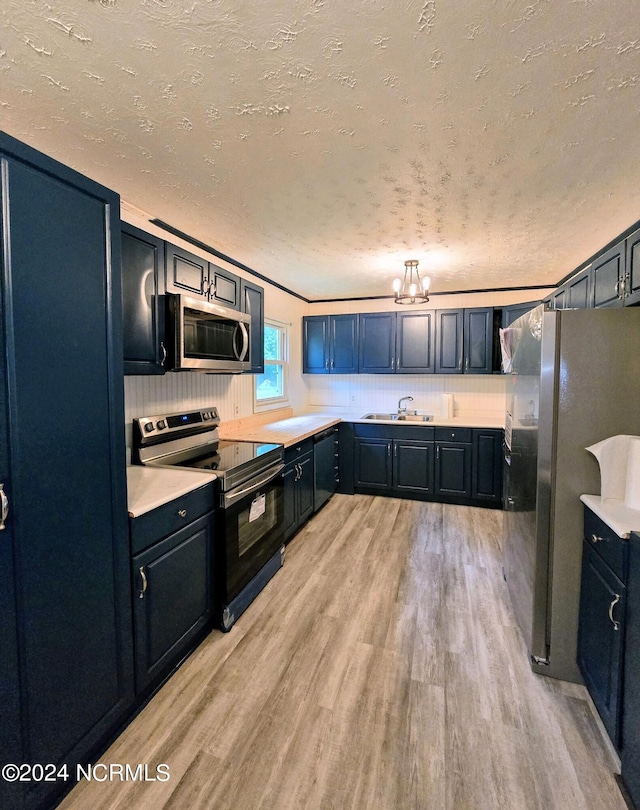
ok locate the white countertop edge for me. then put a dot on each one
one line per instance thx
(357, 415)
(613, 511)
(151, 487)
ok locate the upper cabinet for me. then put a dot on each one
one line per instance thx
(514, 311)
(632, 286)
(608, 277)
(143, 302)
(330, 344)
(192, 275)
(252, 297)
(450, 341)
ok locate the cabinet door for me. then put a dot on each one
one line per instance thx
(373, 467)
(513, 312)
(453, 469)
(143, 317)
(377, 342)
(486, 479)
(415, 342)
(632, 288)
(602, 607)
(305, 487)
(413, 466)
(185, 272)
(630, 720)
(315, 344)
(63, 353)
(478, 340)
(343, 330)
(224, 287)
(607, 273)
(253, 305)
(172, 599)
(449, 348)
(579, 291)
(559, 299)
(290, 510)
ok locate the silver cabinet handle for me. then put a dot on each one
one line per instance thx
(5, 507)
(595, 538)
(615, 624)
(393, 363)
(326, 365)
(182, 513)
(145, 584)
(164, 353)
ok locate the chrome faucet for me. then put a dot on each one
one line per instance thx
(402, 409)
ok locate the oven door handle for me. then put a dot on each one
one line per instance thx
(272, 472)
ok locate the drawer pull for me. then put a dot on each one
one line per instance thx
(182, 513)
(615, 624)
(595, 538)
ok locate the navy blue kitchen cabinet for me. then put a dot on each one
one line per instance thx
(607, 274)
(143, 302)
(253, 305)
(190, 274)
(453, 462)
(449, 341)
(478, 341)
(630, 718)
(393, 460)
(65, 546)
(330, 344)
(632, 288)
(602, 619)
(172, 586)
(415, 342)
(486, 476)
(397, 342)
(377, 349)
(580, 291)
(515, 311)
(298, 486)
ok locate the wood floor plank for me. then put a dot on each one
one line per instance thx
(380, 668)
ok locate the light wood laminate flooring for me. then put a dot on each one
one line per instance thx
(380, 668)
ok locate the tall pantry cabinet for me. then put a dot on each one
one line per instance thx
(65, 613)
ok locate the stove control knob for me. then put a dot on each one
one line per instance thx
(162, 424)
(148, 427)
(206, 415)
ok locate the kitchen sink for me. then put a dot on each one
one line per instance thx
(399, 417)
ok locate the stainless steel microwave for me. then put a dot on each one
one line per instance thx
(207, 337)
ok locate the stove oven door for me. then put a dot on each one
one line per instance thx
(250, 531)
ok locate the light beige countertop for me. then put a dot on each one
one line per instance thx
(150, 487)
(618, 517)
(294, 429)
(284, 431)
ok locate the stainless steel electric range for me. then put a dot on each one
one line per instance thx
(248, 541)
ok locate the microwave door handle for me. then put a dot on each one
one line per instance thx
(234, 495)
(245, 342)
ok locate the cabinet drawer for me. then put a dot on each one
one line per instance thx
(611, 548)
(445, 434)
(168, 518)
(297, 449)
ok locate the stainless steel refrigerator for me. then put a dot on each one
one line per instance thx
(574, 380)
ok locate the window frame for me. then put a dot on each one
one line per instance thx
(279, 401)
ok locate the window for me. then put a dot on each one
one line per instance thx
(271, 386)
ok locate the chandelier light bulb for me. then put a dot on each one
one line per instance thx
(397, 285)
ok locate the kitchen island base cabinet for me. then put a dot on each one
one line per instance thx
(66, 643)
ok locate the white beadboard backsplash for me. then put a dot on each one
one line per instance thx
(473, 395)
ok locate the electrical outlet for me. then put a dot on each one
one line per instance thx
(236, 410)
(353, 399)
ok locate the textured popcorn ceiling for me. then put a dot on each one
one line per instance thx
(323, 142)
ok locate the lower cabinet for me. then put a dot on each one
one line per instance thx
(172, 584)
(602, 620)
(458, 465)
(298, 486)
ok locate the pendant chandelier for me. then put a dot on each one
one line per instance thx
(412, 289)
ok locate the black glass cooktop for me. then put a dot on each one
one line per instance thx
(228, 455)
